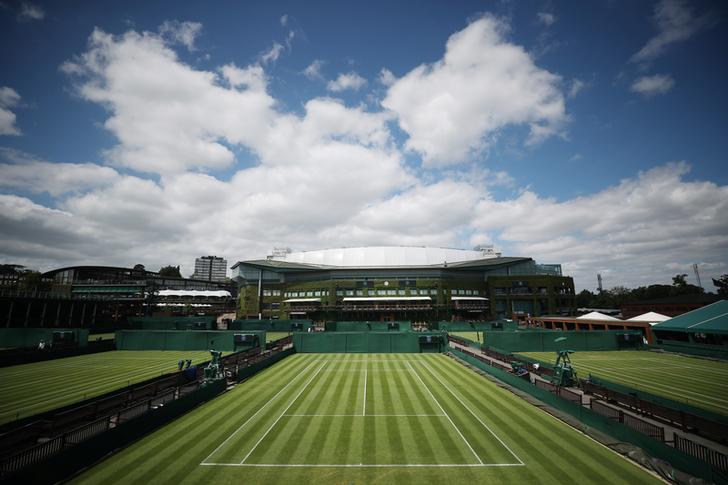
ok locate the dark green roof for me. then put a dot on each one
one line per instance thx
(708, 319)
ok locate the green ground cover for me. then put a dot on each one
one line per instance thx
(366, 418)
(271, 336)
(34, 388)
(474, 336)
(699, 382)
(102, 336)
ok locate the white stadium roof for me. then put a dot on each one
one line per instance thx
(379, 256)
(650, 317)
(597, 316)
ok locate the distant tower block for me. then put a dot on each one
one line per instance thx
(599, 283)
(210, 268)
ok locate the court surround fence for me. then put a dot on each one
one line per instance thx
(183, 340)
(369, 342)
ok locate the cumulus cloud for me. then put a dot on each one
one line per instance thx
(284, 20)
(455, 107)
(675, 22)
(21, 171)
(546, 18)
(9, 98)
(272, 54)
(575, 87)
(652, 85)
(349, 80)
(634, 228)
(184, 33)
(313, 70)
(29, 11)
(386, 78)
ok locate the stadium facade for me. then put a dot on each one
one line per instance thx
(400, 283)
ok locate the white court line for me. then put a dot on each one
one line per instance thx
(362, 415)
(365, 465)
(364, 407)
(445, 413)
(471, 412)
(256, 413)
(284, 412)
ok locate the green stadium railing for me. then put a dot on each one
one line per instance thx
(589, 418)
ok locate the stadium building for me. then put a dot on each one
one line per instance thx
(388, 283)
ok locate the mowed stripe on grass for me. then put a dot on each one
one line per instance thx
(34, 388)
(699, 382)
(396, 418)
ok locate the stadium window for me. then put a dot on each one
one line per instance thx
(339, 292)
(349, 292)
(391, 292)
(382, 292)
(359, 292)
(468, 292)
(401, 292)
(453, 292)
(316, 293)
(433, 292)
(309, 293)
(266, 293)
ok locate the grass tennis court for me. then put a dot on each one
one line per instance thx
(367, 418)
(33, 388)
(474, 336)
(272, 336)
(699, 382)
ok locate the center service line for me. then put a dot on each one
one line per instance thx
(364, 407)
(444, 412)
(284, 412)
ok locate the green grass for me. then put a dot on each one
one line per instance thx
(366, 418)
(699, 382)
(34, 388)
(474, 336)
(271, 336)
(102, 336)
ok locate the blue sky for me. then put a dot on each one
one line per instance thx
(589, 134)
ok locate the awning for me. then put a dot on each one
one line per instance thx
(194, 293)
(297, 313)
(468, 298)
(302, 300)
(388, 298)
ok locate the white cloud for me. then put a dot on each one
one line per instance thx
(633, 228)
(386, 78)
(184, 33)
(284, 20)
(575, 87)
(29, 11)
(349, 80)
(652, 85)
(167, 116)
(9, 98)
(313, 70)
(675, 23)
(457, 106)
(272, 54)
(21, 171)
(546, 18)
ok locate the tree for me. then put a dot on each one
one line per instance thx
(722, 285)
(170, 272)
(679, 280)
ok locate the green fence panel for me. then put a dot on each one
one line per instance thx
(656, 449)
(251, 370)
(269, 325)
(184, 339)
(370, 342)
(23, 338)
(545, 340)
(714, 351)
(173, 323)
(367, 326)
